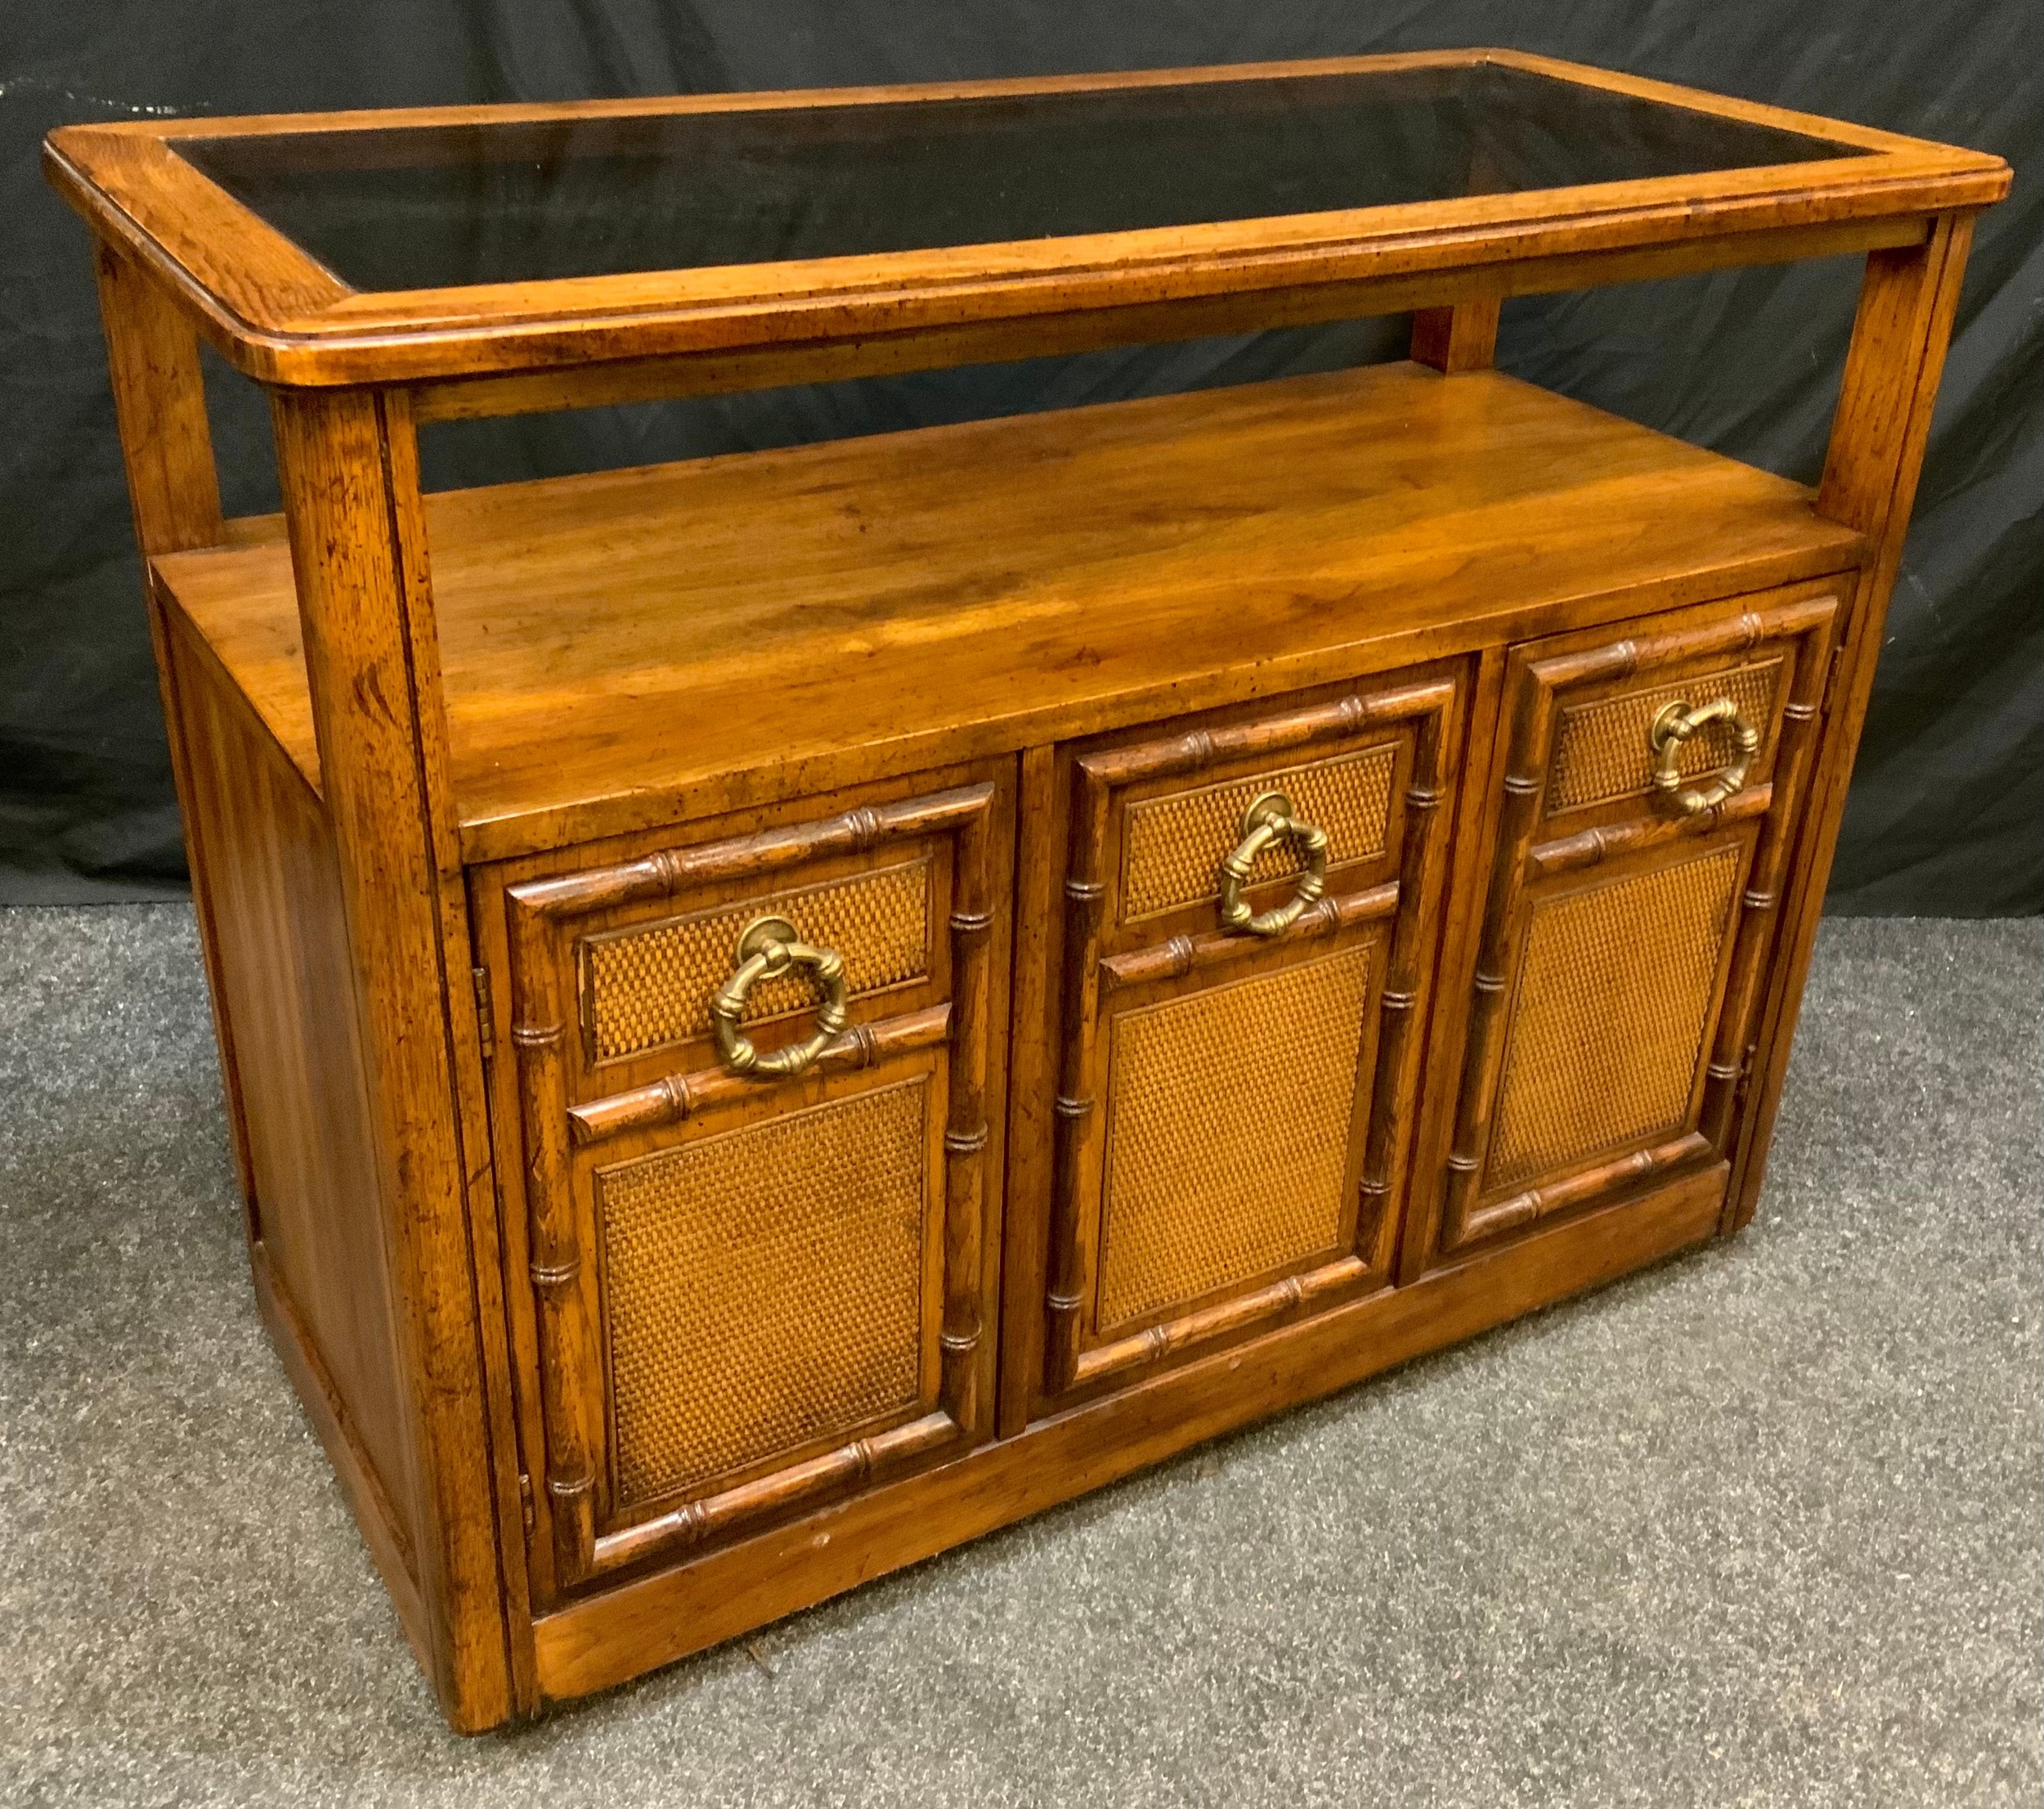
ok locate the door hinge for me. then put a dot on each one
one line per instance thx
(485, 1013)
(525, 1499)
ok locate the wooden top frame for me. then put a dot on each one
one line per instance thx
(284, 318)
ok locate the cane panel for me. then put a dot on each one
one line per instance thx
(1228, 1132)
(764, 1288)
(651, 984)
(1601, 750)
(1610, 1016)
(1172, 846)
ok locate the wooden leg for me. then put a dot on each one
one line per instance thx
(1907, 302)
(347, 459)
(1461, 338)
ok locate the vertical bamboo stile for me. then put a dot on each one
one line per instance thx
(967, 1131)
(1398, 1004)
(1524, 783)
(563, 1283)
(1757, 912)
(1076, 1107)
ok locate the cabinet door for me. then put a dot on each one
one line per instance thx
(1649, 788)
(759, 1254)
(1230, 1102)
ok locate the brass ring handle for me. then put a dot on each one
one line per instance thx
(768, 947)
(1673, 726)
(1269, 819)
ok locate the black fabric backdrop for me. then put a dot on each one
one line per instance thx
(1948, 806)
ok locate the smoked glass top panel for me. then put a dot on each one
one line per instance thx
(430, 207)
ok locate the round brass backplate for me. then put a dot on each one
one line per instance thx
(755, 938)
(1263, 807)
(1664, 723)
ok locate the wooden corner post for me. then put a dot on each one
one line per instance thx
(347, 461)
(1463, 337)
(1907, 300)
(173, 488)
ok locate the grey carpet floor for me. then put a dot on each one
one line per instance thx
(1760, 1526)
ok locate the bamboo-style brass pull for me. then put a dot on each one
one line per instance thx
(1269, 819)
(768, 947)
(1673, 726)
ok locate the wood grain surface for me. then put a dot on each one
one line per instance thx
(623, 649)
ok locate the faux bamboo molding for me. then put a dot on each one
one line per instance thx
(563, 1285)
(1424, 868)
(1607, 842)
(1281, 1300)
(674, 1096)
(967, 1130)
(1075, 1113)
(1520, 1210)
(1185, 955)
(717, 1516)
(1734, 1050)
(669, 871)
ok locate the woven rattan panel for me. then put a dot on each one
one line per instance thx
(1172, 846)
(1601, 750)
(1227, 1133)
(651, 984)
(764, 1288)
(1609, 1017)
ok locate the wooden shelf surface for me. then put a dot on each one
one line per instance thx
(622, 647)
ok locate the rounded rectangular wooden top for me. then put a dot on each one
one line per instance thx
(431, 244)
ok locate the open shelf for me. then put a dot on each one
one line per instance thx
(622, 647)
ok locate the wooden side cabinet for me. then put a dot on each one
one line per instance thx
(781, 1012)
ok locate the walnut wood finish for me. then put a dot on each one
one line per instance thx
(317, 1242)
(1475, 292)
(675, 1097)
(460, 772)
(160, 407)
(612, 661)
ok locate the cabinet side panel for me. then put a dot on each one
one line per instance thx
(283, 978)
